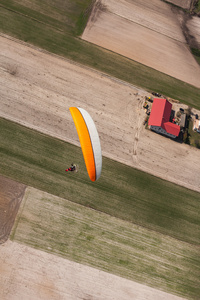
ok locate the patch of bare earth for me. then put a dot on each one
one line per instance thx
(145, 31)
(11, 194)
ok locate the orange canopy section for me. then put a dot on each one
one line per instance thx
(89, 140)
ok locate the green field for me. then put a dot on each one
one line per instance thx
(123, 192)
(56, 28)
(68, 16)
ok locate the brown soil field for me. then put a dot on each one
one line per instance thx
(147, 32)
(27, 273)
(11, 194)
(37, 89)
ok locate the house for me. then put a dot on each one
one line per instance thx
(196, 126)
(160, 116)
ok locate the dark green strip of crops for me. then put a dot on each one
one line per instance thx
(60, 39)
(69, 15)
(124, 192)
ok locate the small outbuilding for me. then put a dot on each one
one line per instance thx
(160, 116)
(196, 126)
(183, 121)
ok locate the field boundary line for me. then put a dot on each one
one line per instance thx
(19, 214)
(154, 30)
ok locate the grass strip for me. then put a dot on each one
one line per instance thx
(126, 193)
(88, 237)
(67, 45)
(70, 16)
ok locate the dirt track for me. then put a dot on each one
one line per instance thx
(38, 88)
(147, 32)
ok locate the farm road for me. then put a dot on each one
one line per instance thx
(37, 89)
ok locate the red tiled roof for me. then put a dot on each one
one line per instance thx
(172, 128)
(160, 114)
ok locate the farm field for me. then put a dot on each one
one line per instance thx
(46, 275)
(123, 192)
(96, 239)
(42, 89)
(140, 227)
(59, 278)
(69, 16)
(39, 29)
(147, 33)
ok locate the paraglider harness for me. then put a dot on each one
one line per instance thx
(72, 168)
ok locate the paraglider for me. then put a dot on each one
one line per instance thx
(72, 168)
(89, 140)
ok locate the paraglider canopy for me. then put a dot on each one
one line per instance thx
(89, 140)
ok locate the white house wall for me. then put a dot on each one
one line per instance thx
(160, 130)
